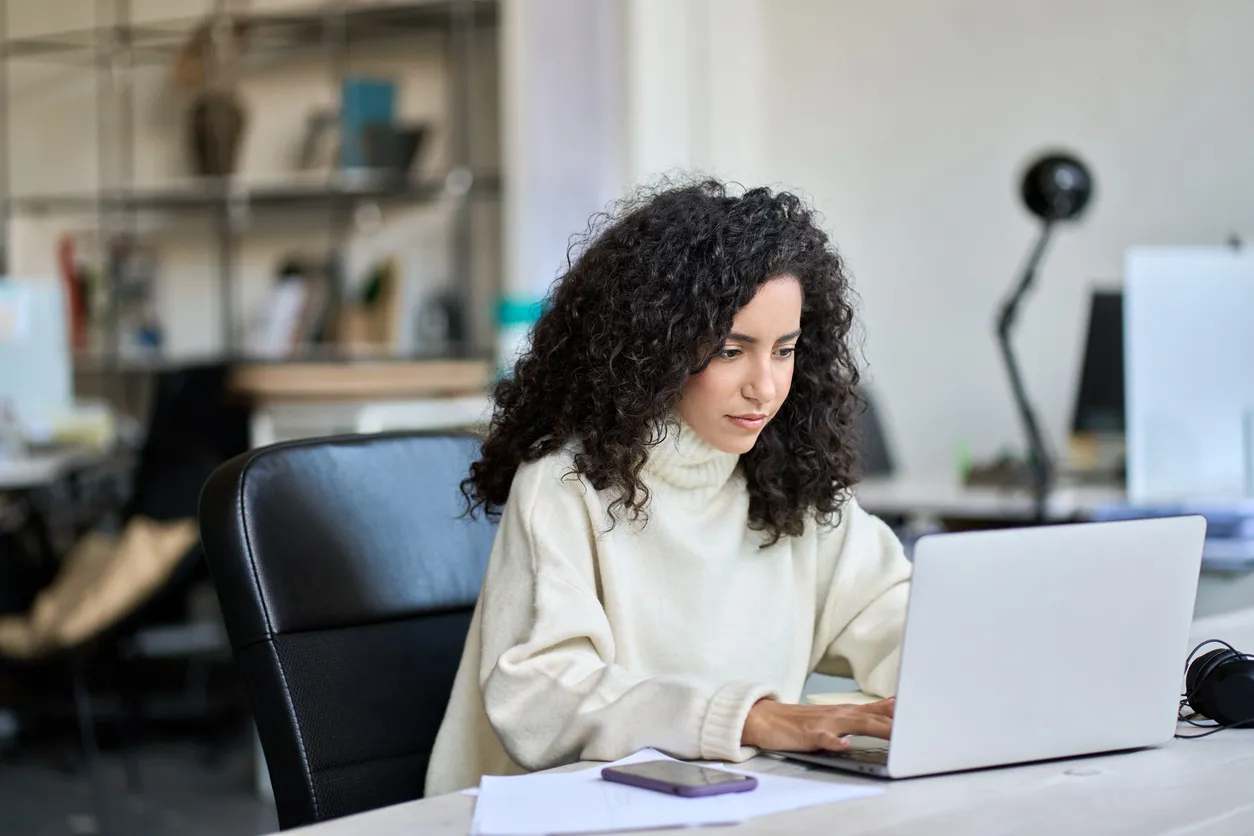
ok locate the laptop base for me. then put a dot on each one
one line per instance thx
(862, 761)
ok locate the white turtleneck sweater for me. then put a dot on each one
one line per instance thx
(590, 645)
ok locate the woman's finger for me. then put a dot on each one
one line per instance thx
(866, 723)
(882, 707)
(829, 740)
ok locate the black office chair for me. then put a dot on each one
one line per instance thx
(347, 578)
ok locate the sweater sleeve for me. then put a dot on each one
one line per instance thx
(552, 688)
(862, 614)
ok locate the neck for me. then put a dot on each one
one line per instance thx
(684, 460)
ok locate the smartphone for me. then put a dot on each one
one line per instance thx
(678, 778)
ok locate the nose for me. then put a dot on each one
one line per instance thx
(760, 384)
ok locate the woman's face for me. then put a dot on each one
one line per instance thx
(738, 393)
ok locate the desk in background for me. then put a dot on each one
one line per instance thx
(1187, 786)
(300, 400)
(40, 469)
(929, 504)
(920, 499)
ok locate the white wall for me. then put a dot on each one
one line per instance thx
(561, 64)
(695, 79)
(908, 121)
(54, 139)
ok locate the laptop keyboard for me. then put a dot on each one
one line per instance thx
(877, 755)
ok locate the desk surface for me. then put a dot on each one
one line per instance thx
(363, 380)
(39, 469)
(916, 498)
(1189, 786)
(940, 497)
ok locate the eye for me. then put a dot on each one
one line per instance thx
(729, 353)
(787, 351)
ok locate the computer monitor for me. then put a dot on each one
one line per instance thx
(1099, 405)
(877, 459)
(35, 373)
(1189, 339)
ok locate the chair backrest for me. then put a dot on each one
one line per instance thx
(194, 425)
(347, 578)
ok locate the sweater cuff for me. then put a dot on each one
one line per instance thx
(725, 721)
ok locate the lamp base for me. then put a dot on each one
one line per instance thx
(1004, 473)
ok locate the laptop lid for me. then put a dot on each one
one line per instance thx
(1036, 643)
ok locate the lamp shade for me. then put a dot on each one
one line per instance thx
(1057, 187)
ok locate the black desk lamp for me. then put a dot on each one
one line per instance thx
(1055, 188)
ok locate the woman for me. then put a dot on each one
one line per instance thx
(678, 549)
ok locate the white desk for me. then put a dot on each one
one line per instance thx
(1187, 787)
(939, 497)
(1225, 585)
(304, 399)
(39, 469)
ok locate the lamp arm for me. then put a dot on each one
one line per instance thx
(1039, 467)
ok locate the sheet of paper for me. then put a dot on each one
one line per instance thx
(583, 802)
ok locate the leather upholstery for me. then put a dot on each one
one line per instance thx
(347, 577)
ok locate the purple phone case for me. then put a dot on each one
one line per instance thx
(609, 773)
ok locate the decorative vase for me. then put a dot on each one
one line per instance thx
(216, 127)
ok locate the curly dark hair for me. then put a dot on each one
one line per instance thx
(648, 300)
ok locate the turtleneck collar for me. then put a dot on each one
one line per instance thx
(685, 460)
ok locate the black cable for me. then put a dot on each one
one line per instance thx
(1181, 718)
(1215, 729)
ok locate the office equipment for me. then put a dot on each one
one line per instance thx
(1099, 404)
(34, 354)
(1190, 383)
(689, 780)
(347, 577)
(1219, 685)
(583, 802)
(1056, 187)
(877, 458)
(1020, 646)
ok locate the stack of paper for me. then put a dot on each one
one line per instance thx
(583, 802)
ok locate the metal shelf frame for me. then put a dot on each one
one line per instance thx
(116, 45)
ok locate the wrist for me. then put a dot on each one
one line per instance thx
(755, 722)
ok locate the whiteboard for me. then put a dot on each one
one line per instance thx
(1189, 373)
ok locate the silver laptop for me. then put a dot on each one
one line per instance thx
(1032, 644)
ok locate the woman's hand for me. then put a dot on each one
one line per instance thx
(810, 728)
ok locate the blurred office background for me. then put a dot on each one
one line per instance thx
(232, 223)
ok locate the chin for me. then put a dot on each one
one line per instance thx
(737, 444)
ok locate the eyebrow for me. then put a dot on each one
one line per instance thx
(745, 338)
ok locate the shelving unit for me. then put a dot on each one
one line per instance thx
(331, 33)
(313, 193)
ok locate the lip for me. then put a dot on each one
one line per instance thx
(750, 421)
